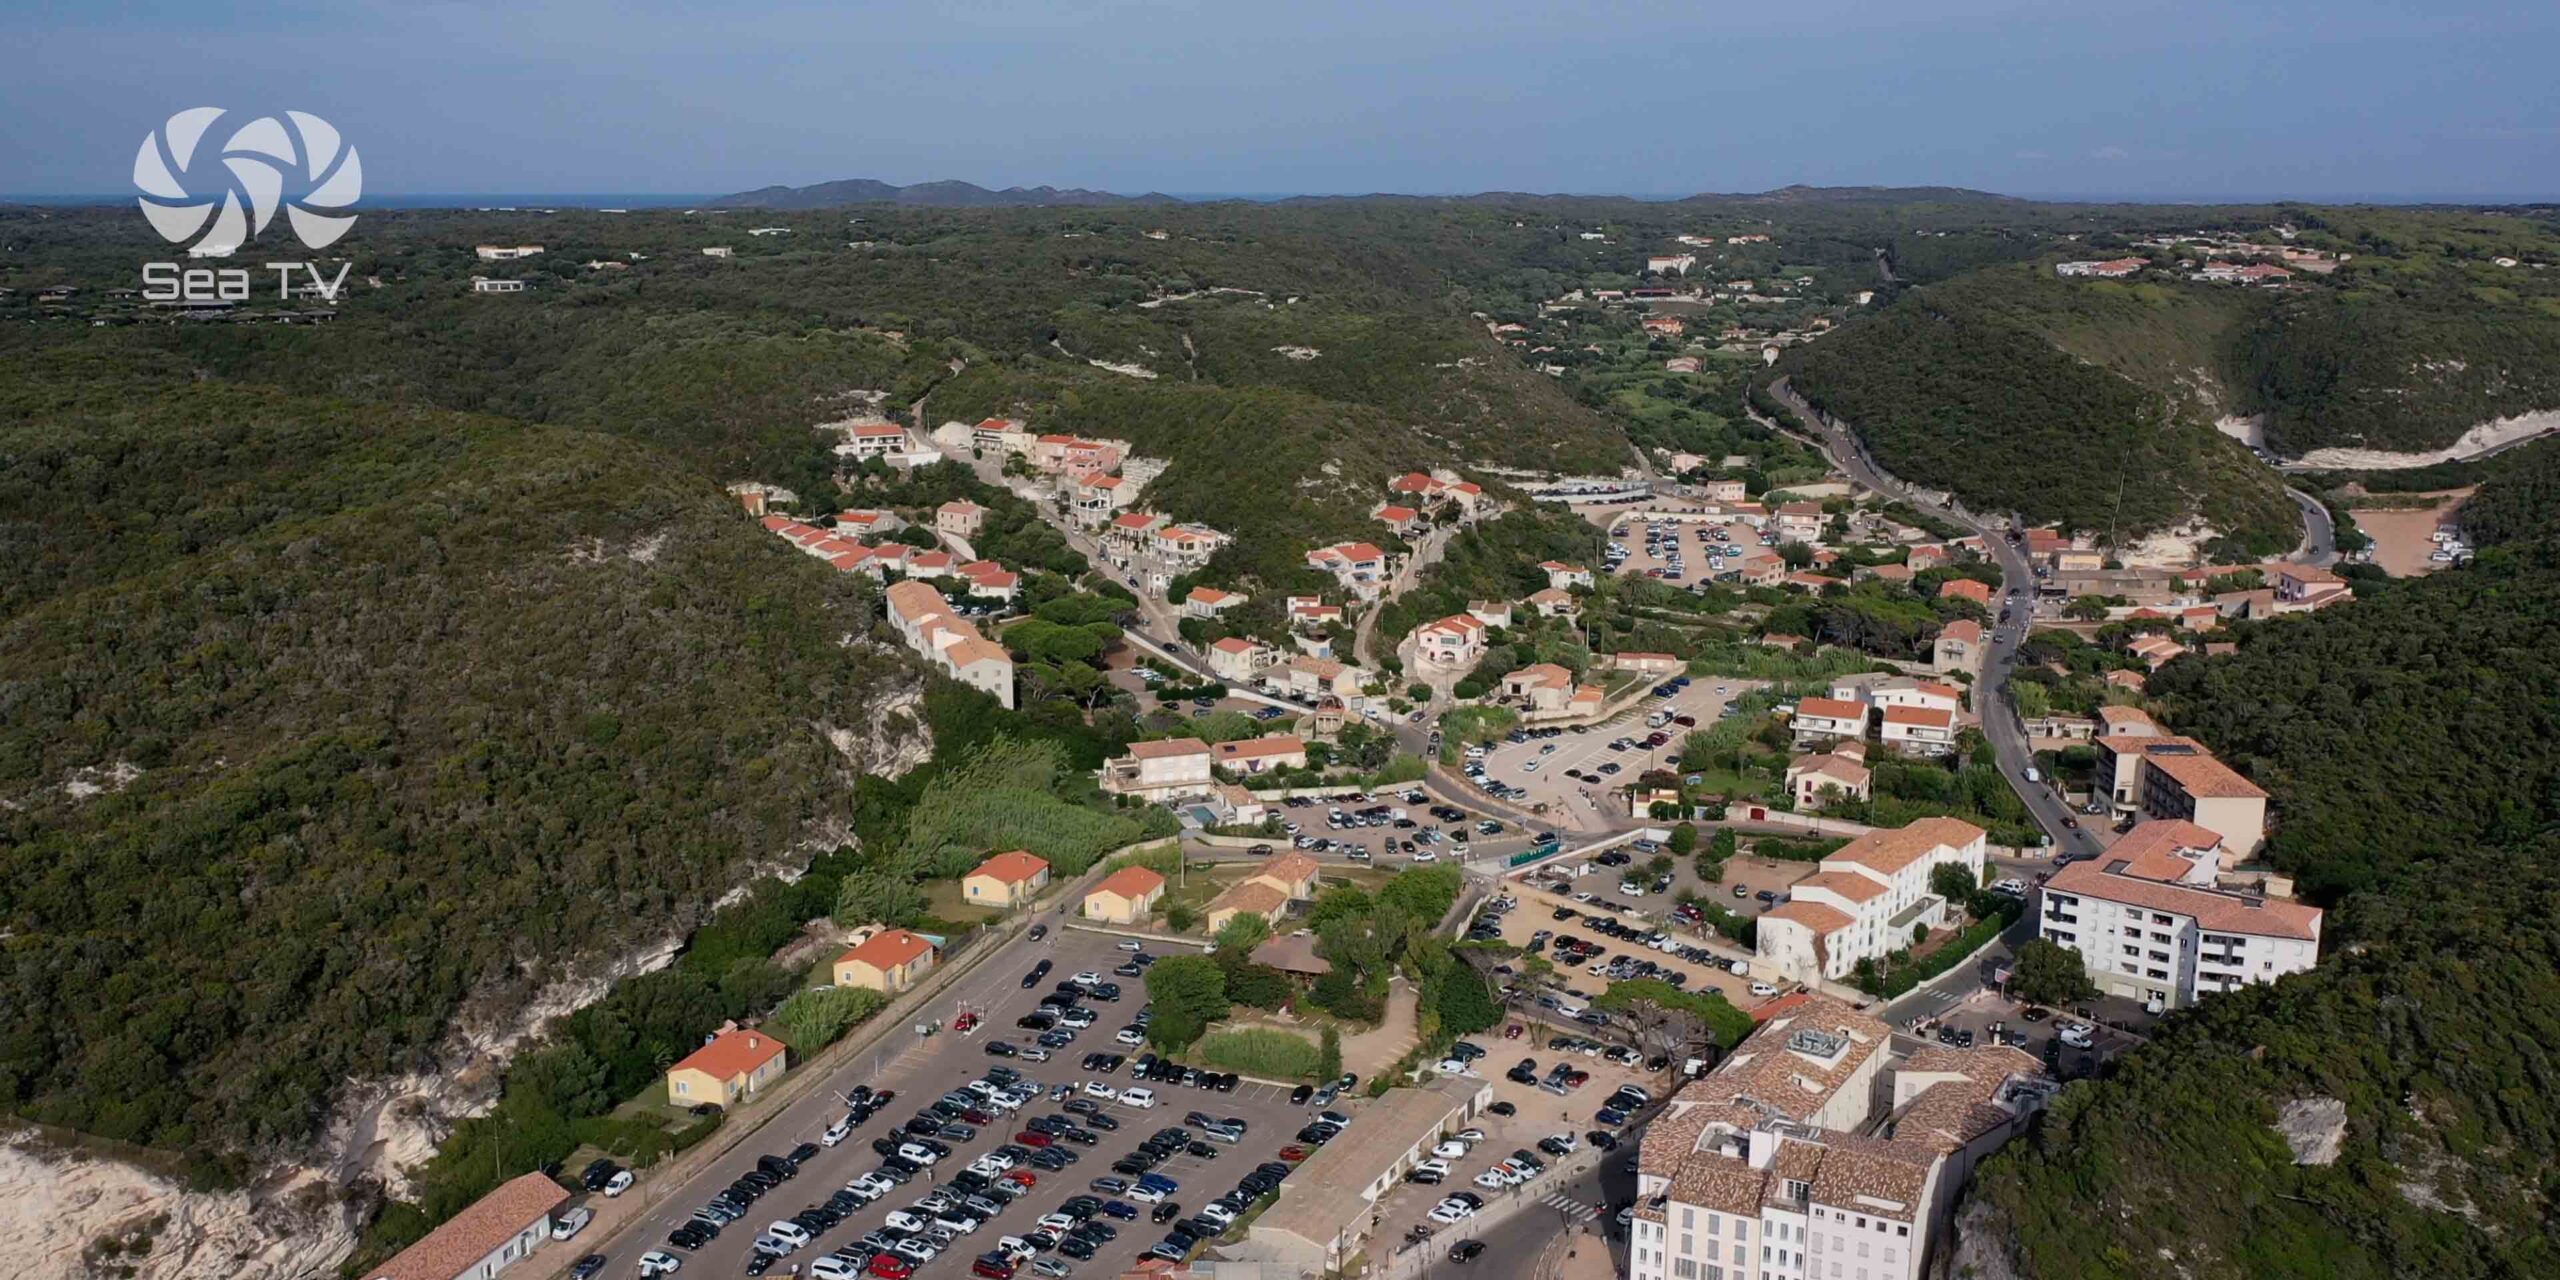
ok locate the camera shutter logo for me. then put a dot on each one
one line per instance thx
(258, 158)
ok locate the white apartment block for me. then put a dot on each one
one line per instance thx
(1826, 719)
(1764, 1169)
(2151, 921)
(1866, 900)
(925, 621)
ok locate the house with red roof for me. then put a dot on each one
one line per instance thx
(728, 1069)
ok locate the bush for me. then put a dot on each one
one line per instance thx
(814, 1019)
(1262, 1051)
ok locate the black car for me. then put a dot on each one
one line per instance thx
(1103, 1121)
(1039, 931)
(598, 1173)
(1038, 971)
(778, 1166)
(690, 1236)
(1465, 1250)
(587, 1266)
(1077, 1247)
(1001, 1049)
(1202, 1150)
(1165, 1212)
(1298, 1096)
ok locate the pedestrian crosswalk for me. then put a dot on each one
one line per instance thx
(1577, 1210)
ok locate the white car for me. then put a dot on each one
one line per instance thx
(1450, 1067)
(658, 1262)
(1097, 1089)
(1425, 855)
(837, 1132)
(1145, 1195)
(914, 1154)
(1017, 1248)
(617, 1184)
(1089, 978)
(916, 1249)
(1492, 1179)
(831, 1267)
(1469, 1134)
(1763, 989)
(1440, 1167)
(2077, 1037)
(1056, 1224)
(1448, 1213)
(790, 1233)
(572, 1222)
(1132, 945)
(904, 1220)
(1131, 1036)
(873, 1186)
(1740, 968)
(1218, 1214)
(1567, 1141)
(1449, 1151)
(1140, 1097)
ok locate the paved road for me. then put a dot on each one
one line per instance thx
(1999, 725)
(2319, 532)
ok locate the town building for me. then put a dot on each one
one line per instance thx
(505, 253)
(1958, 646)
(1267, 754)
(1492, 613)
(864, 441)
(2152, 923)
(1540, 686)
(960, 518)
(2126, 722)
(729, 1068)
(1401, 521)
(1565, 577)
(1823, 719)
(1456, 641)
(1360, 567)
(1124, 897)
(1159, 770)
(2302, 587)
(498, 1231)
(924, 620)
(1817, 781)
(1797, 522)
(2167, 776)
(1552, 602)
(1328, 1207)
(1006, 880)
(889, 961)
(487, 284)
(1290, 878)
(1209, 602)
(1866, 900)
(1648, 664)
(2111, 269)
(1312, 679)
(1917, 731)
(1311, 612)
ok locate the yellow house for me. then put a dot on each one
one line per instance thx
(731, 1067)
(1006, 880)
(1258, 897)
(889, 961)
(1124, 897)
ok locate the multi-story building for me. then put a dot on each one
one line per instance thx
(1237, 660)
(1162, 769)
(1360, 567)
(1958, 646)
(1797, 522)
(1917, 731)
(2167, 776)
(2151, 921)
(924, 620)
(1825, 719)
(1456, 641)
(1565, 577)
(1261, 755)
(1842, 773)
(1867, 900)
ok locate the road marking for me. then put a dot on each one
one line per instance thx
(1579, 1211)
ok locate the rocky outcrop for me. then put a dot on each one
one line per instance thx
(2315, 1128)
(1981, 1249)
(67, 1214)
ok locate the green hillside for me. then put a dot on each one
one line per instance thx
(318, 717)
(1951, 396)
(2432, 1014)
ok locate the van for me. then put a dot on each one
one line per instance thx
(1657, 719)
(572, 1222)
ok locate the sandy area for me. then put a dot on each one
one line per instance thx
(2400, 536)
(2486, 438)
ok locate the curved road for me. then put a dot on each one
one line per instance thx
(2000, 724)
(2319, 532)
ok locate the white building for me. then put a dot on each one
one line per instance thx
(505, 252)
(1866, 900)
(1824, 719)
(1456, 641)
(484, 284)
(924, 620)
(2151, 923)
(1160, 770)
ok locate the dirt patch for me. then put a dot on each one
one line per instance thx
(2401, 535)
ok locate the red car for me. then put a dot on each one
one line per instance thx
(991, 1269)
(1293, 1154)
(975, 1116)
(1511, 1032)
(889, 1266)
(1033, 1138)
(1022, 1178)
(964, 1022)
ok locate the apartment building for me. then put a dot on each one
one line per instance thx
(1916, 731)
(1958, 647)
(1866, 899)
(2153, 922)
(1826, 719)
(1160, 770)
(2167, 776)
(1360, 567)
(924, 620)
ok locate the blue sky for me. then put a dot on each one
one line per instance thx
(2159, 100)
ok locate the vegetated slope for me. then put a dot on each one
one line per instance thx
(1980, 405)
(2408, 741)
(2404, 365)
(319, 720)
(2176, 338)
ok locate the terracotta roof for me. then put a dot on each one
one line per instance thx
(1134, 520)
(2204, 777)
(2112, 716)
(1929, 717)
(1209, 595)
(1824, 921)
(1396, 515)
(461, 1241)
(1166, 748)
(1551, 595)
(1014, 867)
(1458, 622)
(1132, 883)
(732, 1054)
(2214, 911)
(1542, 674)
(959, 507)
(890, 948)
(971, 650)
(1831, 708)
(1964, 629)
(2150, 850)
(1278, 744)
(1257, 896)
(1231, 644)
(1292, 867)
(1855, 888)
(1965, 589)
(1891, 851)
(1830, 766)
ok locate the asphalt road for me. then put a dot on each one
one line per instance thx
(922, 1070)
(2319, 532)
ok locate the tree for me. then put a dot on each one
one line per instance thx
(1188, 993)
(2046, 972)
(1243, 932)
(1329, 1055)
(1725, 844)
(1180, 916)
(1668, 1020)
(1953, 882)
(1684, 839)
(1465, 1004)
(883, 896)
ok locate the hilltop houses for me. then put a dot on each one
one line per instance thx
(1456, 641)
(1866, 900)
(1360, 567)
(924, 620)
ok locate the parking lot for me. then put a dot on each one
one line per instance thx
(1680, 552)
(2112, 1026)
(920, 1070)
(1377, 829)
(1562, 916)
(1574, 770)
(1536, 1114)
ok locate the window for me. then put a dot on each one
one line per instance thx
(1688, 1218)
(1688, 1243)
(683, 1087)
(1742, 1228)
(1901, 1230)
(1715, 1224)
(1685, 1269)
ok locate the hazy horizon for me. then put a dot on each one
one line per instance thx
(2176, 101)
